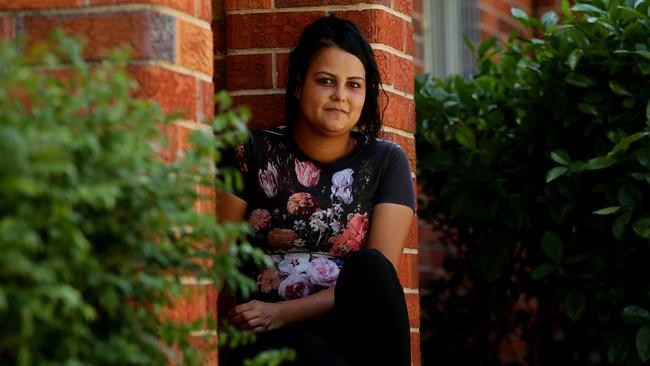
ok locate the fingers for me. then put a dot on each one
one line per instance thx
(240, 309)
(250, 316)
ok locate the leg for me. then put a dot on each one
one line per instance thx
(371, 310)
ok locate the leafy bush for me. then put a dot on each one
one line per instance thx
(541, 162)
(96, 228)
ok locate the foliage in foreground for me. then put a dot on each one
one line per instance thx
(97, 216)
(541, 162)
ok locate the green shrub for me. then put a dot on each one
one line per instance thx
(95, 227)
(541, 161)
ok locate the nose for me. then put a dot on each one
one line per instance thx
(339, 93)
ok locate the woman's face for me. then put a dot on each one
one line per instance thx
(333, 93)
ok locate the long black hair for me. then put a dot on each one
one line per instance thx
(329, 31)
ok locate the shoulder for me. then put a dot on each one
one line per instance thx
(386, 149)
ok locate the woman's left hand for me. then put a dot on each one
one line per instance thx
(257, 316)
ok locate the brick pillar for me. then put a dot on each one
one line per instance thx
(258, 37)
(172, 60)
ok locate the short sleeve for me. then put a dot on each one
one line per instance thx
(396, 184)
(240, 158)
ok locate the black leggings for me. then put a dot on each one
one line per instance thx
(368, 326)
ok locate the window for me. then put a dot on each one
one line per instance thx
(443, 25)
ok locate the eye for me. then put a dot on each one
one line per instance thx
(325, 81)
(354, 84)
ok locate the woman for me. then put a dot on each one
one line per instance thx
(331, 207)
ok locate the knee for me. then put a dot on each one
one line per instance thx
(367, 277)
(370, 264)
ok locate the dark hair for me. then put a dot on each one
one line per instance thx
(329, 31)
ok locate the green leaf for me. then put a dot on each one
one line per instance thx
(618, 88)
(645, 54)
(600, 163)
(574, 304)
(561, 156)
(550, 19)
(468, 43)
(555, 173)
(587, 108)
(629, 195)
(543, 270)
(643, 156)
(642, 227)
(607, 210)
(624, 144)
(552, 246)
(465, 136)
(634, 314)
(574, 58)
(643, 343)
(618, 346)
(490, 264)
(586, 8)
(631, 13)
(486, 45)
(566, 9)
(578, 80)
(629, 102)
(520, 15)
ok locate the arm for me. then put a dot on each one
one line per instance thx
(259, 316)
(230, 208)
(388, 230)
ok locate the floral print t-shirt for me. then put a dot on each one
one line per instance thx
(308, 216)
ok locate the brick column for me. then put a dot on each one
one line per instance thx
(258, 37)
(172, 60)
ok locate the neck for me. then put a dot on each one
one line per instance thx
(321, 147)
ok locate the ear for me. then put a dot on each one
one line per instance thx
(298, 91)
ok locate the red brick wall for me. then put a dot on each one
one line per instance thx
(172, 60)
(252, 42)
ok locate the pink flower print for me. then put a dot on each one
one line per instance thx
(281, 238)
(300, 203)
(307, 173)
(294, 287)
(268, 280)
(342, 185)
(352, 238)
(323, 272)
(294, 263)
(260, 219)
(240, 153)
(268, 180)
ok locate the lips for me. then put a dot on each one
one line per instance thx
(336, 110)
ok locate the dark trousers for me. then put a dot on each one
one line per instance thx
(368, 326)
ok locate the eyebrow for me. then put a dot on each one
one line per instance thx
(334, 76)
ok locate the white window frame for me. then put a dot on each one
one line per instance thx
(443, 24)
